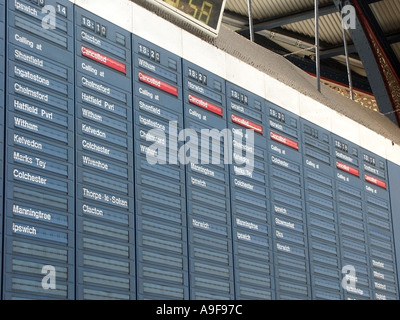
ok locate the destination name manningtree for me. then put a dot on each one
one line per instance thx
(37, 214)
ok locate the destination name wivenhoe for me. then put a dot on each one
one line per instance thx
(94, 163)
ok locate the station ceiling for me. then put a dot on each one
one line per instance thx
(287, 27)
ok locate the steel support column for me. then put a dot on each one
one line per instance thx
(372, 67)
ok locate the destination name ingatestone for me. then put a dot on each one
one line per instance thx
(25, 74)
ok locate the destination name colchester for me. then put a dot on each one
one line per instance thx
(29, 177)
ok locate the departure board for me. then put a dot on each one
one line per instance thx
(377, 206)
(207, 184)
(134, 170)
(161, 223)
(2, 100)
(39, 165)
(105, 236)
(322, 216)
(288, 213)
(251, 221)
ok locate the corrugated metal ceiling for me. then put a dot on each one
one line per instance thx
(330, 28)
(288, 26)
(387, 13)
(263, 10)
(270, 9)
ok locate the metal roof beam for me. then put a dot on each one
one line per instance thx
(294, 39)
(380, 35)
(337, 51)
(372, 68)
(393, 37)
(291, 18)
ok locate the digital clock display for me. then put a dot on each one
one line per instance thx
(205, 13)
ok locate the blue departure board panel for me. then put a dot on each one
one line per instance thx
(378, 218)
(129, 172)
(2, 100)
(393, 172)
(250, 206)
(352, 218)
(322, 221)
(207, 181)
(39, 169)
(105, 247)
(162, 263)
(289, 226)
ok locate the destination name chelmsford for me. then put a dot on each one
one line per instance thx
(96, 86)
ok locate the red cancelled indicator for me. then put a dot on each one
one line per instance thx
(375, 181)
(286, 141)
(347, 168)
(248, 124)
(158, 84)
(205, 105)
(98, 57)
